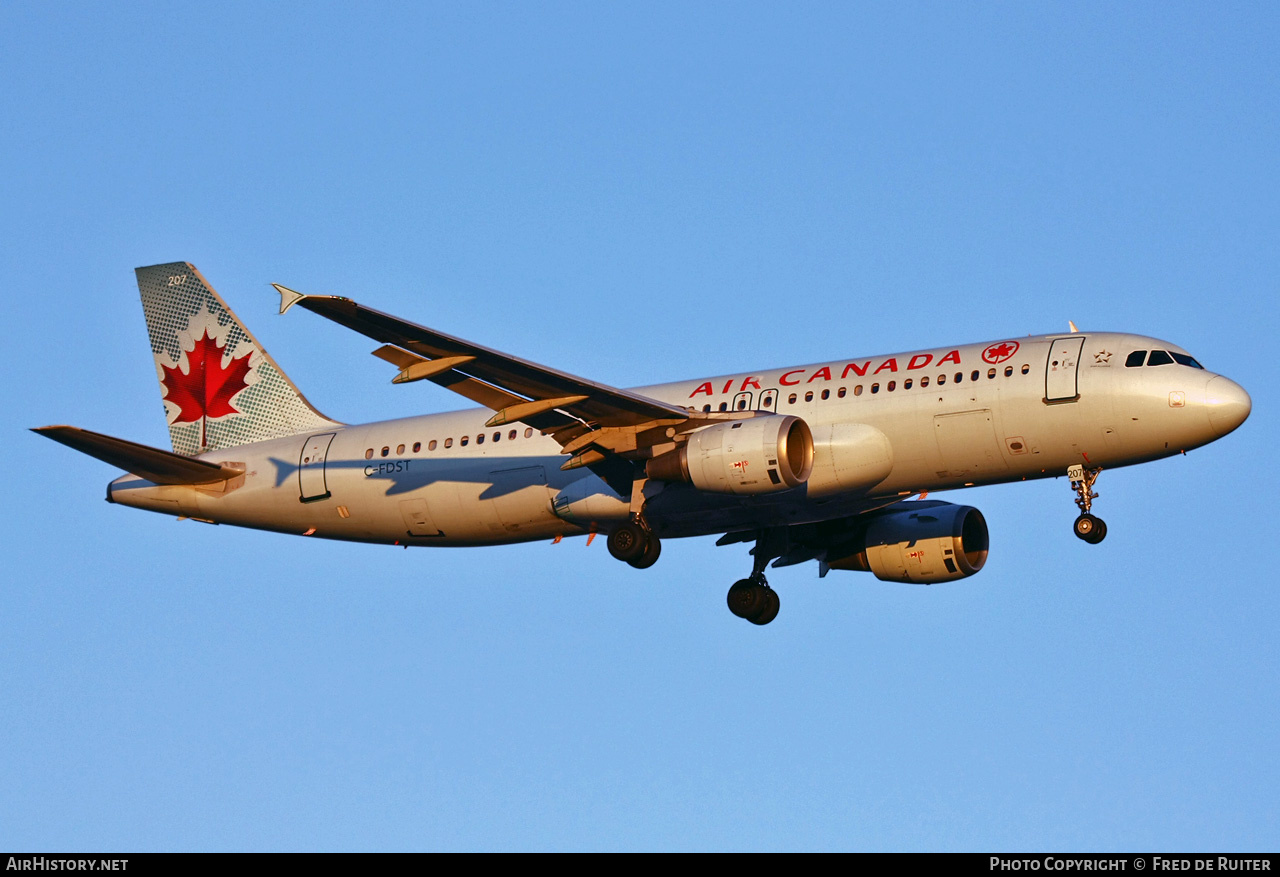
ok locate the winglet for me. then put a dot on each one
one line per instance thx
(1070, 323)
(288, 297)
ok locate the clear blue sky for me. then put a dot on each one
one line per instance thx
(637, 193)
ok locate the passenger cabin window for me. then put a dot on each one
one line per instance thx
(368, 455)
(497, 436)
(1008, 371)
(857, 391)
(1183, 359)
(399, 450)
(959, 377)
(386, 451)
(706, 409)
(808, 397)
(1025, 368)
(417, 446)
(528, 431)
(462, 442)
(724, 406)
(842, 391)
(1159, 357)
(906, 385)
(431, 445)
(791, 399)
(893, 385)
(875, 388)
(448, 443)
(511, 436)
(1135, 359)
(991, 373)
(924, 382)
(826, 394)
(480, 439)
(942, 379)
(974, 375)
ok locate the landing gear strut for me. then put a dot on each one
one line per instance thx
(752, 598)
(633, 541)
(1088, 527)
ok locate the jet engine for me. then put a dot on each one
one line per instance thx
(763, 454)
(926, 543)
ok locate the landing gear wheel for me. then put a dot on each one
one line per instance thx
(1100, 532)
(746, 598)
(771, 606)
(652, 548)
(754, 600)
(628, 541)
(1091, 529)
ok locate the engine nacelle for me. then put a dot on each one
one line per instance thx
(926, 543)
(848, 458)
(743, 457)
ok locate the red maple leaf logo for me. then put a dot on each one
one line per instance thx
(1000, 352)
(206, 390)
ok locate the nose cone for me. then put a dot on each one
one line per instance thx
(1228, 405)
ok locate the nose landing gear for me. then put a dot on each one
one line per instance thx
(1088, 527)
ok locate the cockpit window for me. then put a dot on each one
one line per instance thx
(1183, 359)
(1135, 359)
(1159, 357)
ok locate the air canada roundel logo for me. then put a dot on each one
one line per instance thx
(1000, 352)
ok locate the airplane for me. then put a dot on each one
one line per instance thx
(829, 462)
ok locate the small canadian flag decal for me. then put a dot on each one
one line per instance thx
(740, 467)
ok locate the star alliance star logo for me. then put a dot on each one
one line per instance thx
(1102, 357)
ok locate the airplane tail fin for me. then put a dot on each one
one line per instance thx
(220, 387)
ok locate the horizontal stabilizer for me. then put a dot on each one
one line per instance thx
(153, 464)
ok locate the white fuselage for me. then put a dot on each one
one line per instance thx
(951, 419)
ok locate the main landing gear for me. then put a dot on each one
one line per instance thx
(1088, 527)
(752, 598)
(634, 543)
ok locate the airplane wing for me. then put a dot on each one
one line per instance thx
(821, 541)
(590, 420)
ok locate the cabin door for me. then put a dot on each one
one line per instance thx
(312, 485)
(1062, 370)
